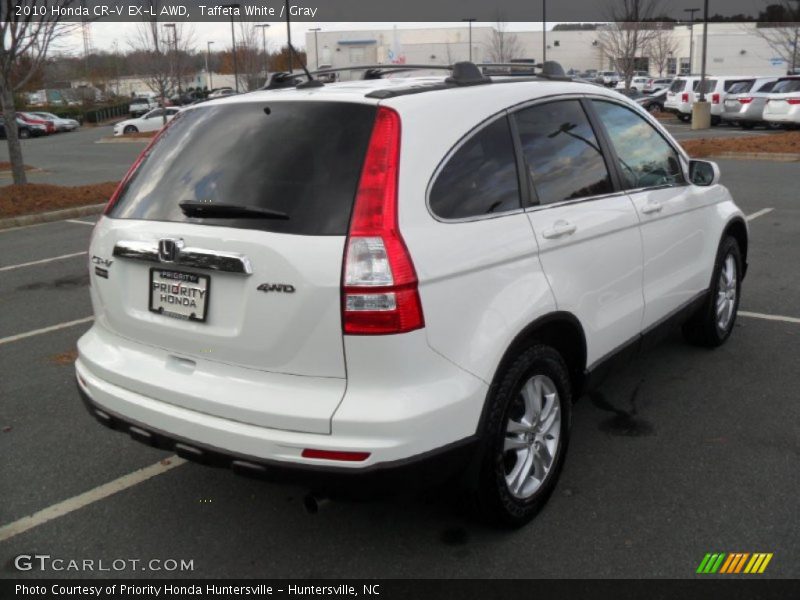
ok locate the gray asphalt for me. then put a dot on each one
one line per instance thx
(75, 158)
(686, 451)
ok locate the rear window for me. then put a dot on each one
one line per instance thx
(677, 85)
(767, 87)
(786, 86)
(300, 158)
(740, 87)
(708, 87)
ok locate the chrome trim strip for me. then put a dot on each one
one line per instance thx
(200, 258)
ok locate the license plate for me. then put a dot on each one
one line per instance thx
(179, 295)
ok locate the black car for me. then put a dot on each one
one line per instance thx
(653, 102)
(24, 131)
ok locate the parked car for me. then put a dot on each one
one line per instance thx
(637, 83)
(717, 90)
(30, 119)
(220, 92)
(152, 121)
(681, 95)
(25, 130)
(287, 286)
(60, 123)
(142, 105)
(653, 102)
(744, 104)
(609, 78)
(783, 105)
(654, 85)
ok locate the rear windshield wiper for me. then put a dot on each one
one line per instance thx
(194, 208)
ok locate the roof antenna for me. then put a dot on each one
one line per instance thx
(311, 83)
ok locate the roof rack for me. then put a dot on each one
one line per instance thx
(463, 73)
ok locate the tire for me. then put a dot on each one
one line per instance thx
(714, 321)
(130, 129)
(24, 134)
(684, 118)
(535, 383)
(715, 121)
(747, 124)
(653, 108)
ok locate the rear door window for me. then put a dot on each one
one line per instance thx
(480, 178)
(303, 159)
(561, 152)
(786, 86)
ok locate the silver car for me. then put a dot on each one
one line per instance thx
(745, 102)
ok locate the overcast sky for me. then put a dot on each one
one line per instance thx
(105, 34)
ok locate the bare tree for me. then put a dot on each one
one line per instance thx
(25, 40)
(249, 57)
(662, 47)
(503, 46)
(159, 54)
(630, 31)
(783, 36)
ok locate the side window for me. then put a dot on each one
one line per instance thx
(480, 178)
(561, 152)
(645, 158)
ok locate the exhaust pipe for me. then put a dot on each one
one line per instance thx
(313, 501)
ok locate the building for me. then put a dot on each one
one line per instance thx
(733, 48)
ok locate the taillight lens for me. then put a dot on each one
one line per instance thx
(379, 283)
(793, 101)
(745, 100)
(139, 159)
(714, 98)
(685, 97)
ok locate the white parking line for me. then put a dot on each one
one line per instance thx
(760, 213)
(753, 315)
(80, 222)
(27, 334)
(41, 262)
(98, 493)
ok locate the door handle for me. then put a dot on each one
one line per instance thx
(560, 228)
(652, 207)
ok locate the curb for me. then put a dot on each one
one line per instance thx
(776, 156)
(48, 217)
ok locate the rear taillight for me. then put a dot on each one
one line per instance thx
(714, 98)
(745, 100)
(685, 97)
(139, 159)
(379, 283)
(793, 101)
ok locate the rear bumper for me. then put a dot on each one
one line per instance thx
(424, 470)
(782, 118)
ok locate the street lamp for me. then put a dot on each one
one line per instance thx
(172, 66)
(209, 77)
(544, 31)
(796, 31)
(705, 49)
(316, 45)
(233, 47)
(691, 12)
(470, 21)
(289, 33)
(264, 27)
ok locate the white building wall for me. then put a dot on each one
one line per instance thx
(733, 48)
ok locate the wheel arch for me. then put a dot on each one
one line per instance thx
(737, 229)
(562, 331)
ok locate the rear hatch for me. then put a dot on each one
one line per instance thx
(785, 96)
(226, 243)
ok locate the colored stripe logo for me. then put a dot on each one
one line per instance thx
(734, 563)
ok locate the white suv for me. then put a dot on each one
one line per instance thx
(372, 278)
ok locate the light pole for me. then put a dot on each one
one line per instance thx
(264, 27)
(209, 77)
(705, 48)
(470, 21)
(316, 45)
(289, 34)
(691, 12)
(172, 65)
(544, 31)
(233, 47)
(796, 19)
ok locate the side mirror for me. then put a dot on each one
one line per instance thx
(703, 172)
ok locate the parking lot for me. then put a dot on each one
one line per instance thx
(685, 452)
